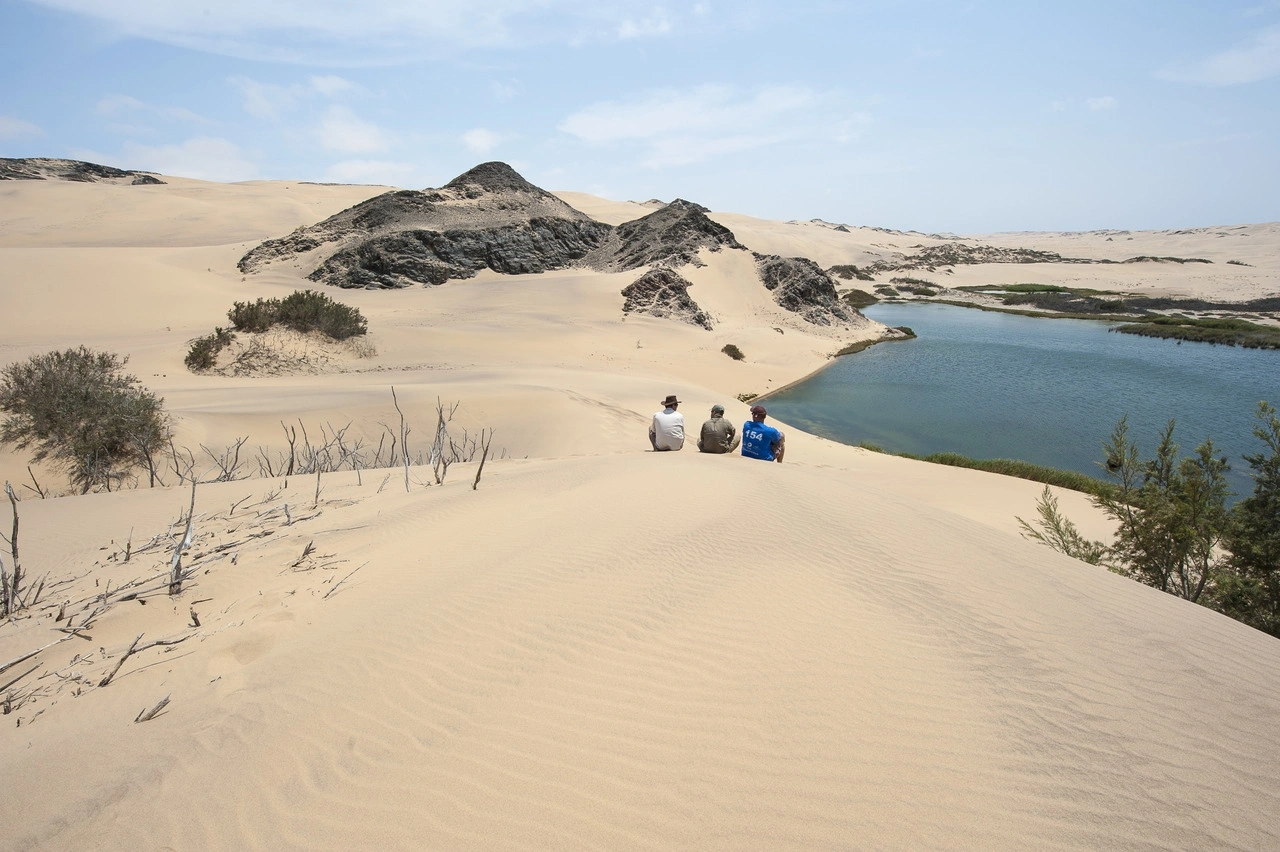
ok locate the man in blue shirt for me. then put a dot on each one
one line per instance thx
(760, 441)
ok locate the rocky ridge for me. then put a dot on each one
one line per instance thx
(488, 217)
(49, 168)
(662, 292)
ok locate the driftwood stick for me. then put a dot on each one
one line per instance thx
(134, 649)
(175, 569)
(106, 680)
(20, 677)
(25, 657)
(343, 580)
(148, 715)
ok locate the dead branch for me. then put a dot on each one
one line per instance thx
(306, 551)
(147, 715)
(343, 580)
(479, 470)
(134, 649)
(175, 569)
(20, 677)
(404, 437)
(43, 494)
(11, 582)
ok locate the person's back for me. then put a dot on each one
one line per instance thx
(761, 441)
(718, 435)
(666, 432)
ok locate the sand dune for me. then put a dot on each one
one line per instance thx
(599, 647)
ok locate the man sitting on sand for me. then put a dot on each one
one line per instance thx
(718, 435)
(760, 441)
(667, 431)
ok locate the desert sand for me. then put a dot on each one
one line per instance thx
(598, 647)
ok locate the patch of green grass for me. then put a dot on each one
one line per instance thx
(1229, 332)
(1068, 479)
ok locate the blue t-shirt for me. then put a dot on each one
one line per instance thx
(758, 440)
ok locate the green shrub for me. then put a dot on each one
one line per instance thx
(848, 272)
(302, 310)
(254, 316)
(203, 354)
(80, 410)
(858, 299)
(733, 352)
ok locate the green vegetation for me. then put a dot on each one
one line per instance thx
(80, 410)
(1033, 288)
(1174, 531)
(203, 354)
(747, 397)
(849, 272)
(918, 286)
(886, 291)
(860, 345)
(302, 310)
(733, 352)
(1238, 263)
(1010, 467)
(858, 298)
(1231, 332)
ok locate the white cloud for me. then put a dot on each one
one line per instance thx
(376, 32)
(1257, 58)
(1106, 102)
(202, 157)
(505, 91)
(480, 141)
(654, 25)
(269, 100)
(16, 128)
(342, 130)
(383, 172)
(705, 110)
(115, 106)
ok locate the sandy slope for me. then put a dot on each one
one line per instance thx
(599, 647)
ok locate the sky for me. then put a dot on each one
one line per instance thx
(929, 115)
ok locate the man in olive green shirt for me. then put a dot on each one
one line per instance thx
(718, 435)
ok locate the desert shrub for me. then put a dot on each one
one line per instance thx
(307, 310)
(203, 354)
(1250, 591)
(747, 397)
(1238, 263)
(918, 286)
(858, 298)
(79, 409)
(733, 352)
(886, 291)
(848, 272)
(1034, 288)
(302, 310)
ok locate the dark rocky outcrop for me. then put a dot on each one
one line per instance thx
(670, 236)
(408, 258)
(489, 217)
(48, 168)
(799, 285)
(661, 292)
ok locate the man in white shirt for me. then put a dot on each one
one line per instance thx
(667, 431)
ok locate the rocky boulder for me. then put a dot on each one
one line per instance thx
(799, 285)
(661, 292)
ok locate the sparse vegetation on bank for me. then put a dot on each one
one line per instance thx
(1068, 479)
(733, 352)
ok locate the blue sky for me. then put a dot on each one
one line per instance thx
(913, 114)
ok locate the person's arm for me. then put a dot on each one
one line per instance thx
(781, 449)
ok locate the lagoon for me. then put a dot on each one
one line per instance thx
(1048, 391)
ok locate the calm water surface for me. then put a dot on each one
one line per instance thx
(992, 385)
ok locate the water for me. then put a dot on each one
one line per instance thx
(990, 385)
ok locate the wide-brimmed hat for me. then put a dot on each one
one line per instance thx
(671, 400)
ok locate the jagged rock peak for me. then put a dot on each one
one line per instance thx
(799, 285)
(51, 168)
(671, 236)
(493, 177)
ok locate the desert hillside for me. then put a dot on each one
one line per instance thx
(585, 644)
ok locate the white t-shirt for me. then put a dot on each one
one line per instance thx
(668, 429)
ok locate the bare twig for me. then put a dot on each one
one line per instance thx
(175, 569)
(343, 580)
(479, 470)
(148, 715)
(134, 649)
(404, 437)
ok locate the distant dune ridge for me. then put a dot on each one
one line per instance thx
(47, 168)
(593, 646)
